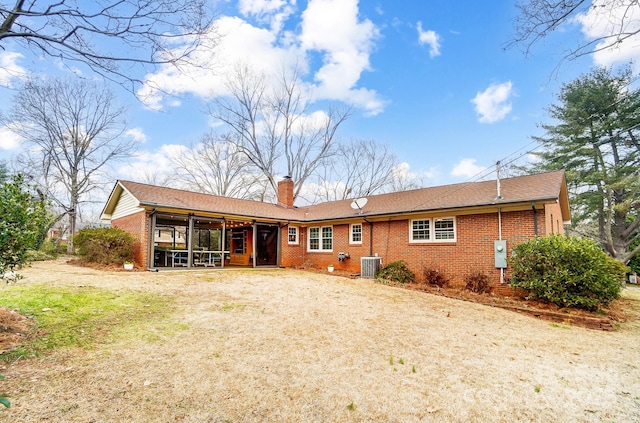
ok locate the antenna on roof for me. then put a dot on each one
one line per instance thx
(499, 197)
(358, 204)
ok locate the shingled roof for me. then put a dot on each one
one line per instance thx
(540, 188)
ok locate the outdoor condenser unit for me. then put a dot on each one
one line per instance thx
(369, 266)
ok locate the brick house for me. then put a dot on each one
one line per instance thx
(458, 228)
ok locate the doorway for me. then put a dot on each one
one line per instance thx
(267, 245)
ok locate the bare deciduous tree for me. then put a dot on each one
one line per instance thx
(75, 129)
(537, 19)
(112, 37)
(215, 166)
(274, 128)
(358, 169)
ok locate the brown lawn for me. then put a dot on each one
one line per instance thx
(293, 346)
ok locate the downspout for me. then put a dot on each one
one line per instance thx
(499, 197)
(535, 219)
(500, 239)
(150, 247)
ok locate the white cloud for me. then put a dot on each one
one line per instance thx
(261, 7)
(152, 167)
(272, 12)
(467, 168)
(217, 60)
(403, 171)
(492, 104)
(137, 135)
(406, 177)
(8, 139)
(612, 18)
(330, 29)
(10, 71)
(430, 38)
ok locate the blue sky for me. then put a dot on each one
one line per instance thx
(429, 78)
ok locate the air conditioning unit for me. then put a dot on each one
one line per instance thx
(369, 266)
(633, 278)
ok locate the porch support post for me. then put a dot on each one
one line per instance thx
(279, 245)
(223, 241)
(190, 241)
(151, 249)
(254, 242)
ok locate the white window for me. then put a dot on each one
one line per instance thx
(432, 230)
(293, 235)
(420, 230)
(444, 229)
(355, 236)
(320, 239)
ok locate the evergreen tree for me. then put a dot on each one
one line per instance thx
(596, 140)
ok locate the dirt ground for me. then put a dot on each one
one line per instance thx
(293, 346)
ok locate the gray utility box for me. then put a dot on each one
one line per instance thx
(369, 266)
(500, 252)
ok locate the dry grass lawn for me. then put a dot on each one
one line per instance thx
(292, 346)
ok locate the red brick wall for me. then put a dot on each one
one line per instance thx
(136, 224)
(473, 248)
(292, 255)
(554, 221)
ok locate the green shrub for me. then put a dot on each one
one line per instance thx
(48, 251)
(39, 255)
(477, 281)
(433, 275)
(50, 247)
(396, 271)
(567, 271)
(23, 220)
(104, 245)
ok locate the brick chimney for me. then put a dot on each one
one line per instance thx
(285, 192)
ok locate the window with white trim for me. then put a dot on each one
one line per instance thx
(441, 229)
(320, 239)
(420, 230)
(355, 233)
(293, 235)
(444, 229)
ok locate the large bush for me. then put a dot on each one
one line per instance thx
(104, 245)
(396, 271)
(23, 220)
(567, 271)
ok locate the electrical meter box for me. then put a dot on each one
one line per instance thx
(500, 253)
